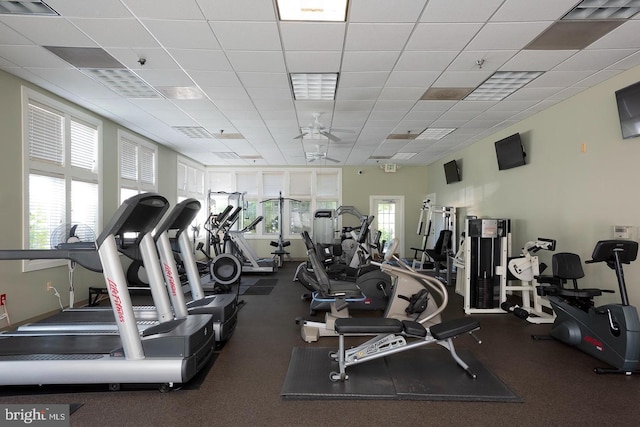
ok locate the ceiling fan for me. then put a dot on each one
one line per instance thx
(316, 129)
(319, 155)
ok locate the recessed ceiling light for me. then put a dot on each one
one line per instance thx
(604, 9)
(501, 84)
(123, 82)
(435, 133)
(25, 7)
(402, 156)
(446, 93)
(407, 135)
(181, 92)
(312, 10)
(310, 87)
(85, 57)
(195, 132)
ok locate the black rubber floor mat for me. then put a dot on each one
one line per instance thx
(418, 374)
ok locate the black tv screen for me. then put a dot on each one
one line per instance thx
(628, 100)
(510, 152)
(451, 172)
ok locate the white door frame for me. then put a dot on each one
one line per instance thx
(399, 200)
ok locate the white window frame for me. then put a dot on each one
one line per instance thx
(260, 233)
(136, 184)
(65, 171)
(192, 186)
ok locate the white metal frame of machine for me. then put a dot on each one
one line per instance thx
(427, 228)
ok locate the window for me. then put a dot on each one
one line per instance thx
(61, 164)
(138, 165)
(191, 185)
(303, 191)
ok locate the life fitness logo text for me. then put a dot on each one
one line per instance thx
(172, 281)
(594, 342)
(116, 300)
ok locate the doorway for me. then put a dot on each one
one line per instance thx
(389, 219)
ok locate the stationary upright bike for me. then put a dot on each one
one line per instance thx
(609, 332)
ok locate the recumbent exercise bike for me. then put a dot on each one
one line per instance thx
(610, 333)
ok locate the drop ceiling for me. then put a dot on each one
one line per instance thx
(403, 66)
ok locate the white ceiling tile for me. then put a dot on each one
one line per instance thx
(537, 60)
(165, 77)
(313, 36)
(362, 79)
(354, 105)
(486, 60)
(460, 10)
(215, 78)
(422, 79)
(442, 37)
(593, 59)
(377, 36)
(48, 31)
(9, 36)
(358, 93)
(116, 32)
(422, 116)
(238, 10)
(222, 92)
(369, 61)
(462, 78)
(247, 35)
(559, 78)
(32, 57)
(201, 60)
(532, 94)
(317, 62)
(102, 9)
(597, 77)
(86, 87)
(526, 11)
(250, 79)
(187, 9)
(379, 11)
(506, 35)
(424, 61)
(386, 115)
(154, 57)
(279, 94)
(627, 63)
(183, 34)
(259, 61)
(401, 93)
(394, 105)
(441, 106)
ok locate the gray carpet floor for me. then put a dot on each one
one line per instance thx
(555, 382)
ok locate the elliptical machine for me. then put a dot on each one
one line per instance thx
(609, 332)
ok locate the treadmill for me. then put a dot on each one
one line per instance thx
(167, 354)
(92, 320)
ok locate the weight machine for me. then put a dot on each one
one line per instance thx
(433, 219)
(279, 253)
(527, 268)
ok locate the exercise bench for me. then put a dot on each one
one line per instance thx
(391, 337)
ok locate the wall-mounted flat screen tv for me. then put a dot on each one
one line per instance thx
(628, 100)
(510, 152)
(451, 172)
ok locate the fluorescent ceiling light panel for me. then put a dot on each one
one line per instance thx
(313, 87)
(123, 82)
(604, 9)
(227, 155)
(312, 10)
(502, 84)
(402, 156)
(25, 7)
(181, 92)
(194, 132)
(435, 133)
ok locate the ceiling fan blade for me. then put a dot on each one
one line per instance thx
(330, 136)
(332, 160)
(311, 159)
(302, 135)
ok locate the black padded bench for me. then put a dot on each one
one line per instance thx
(381, 325)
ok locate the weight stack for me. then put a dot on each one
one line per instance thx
(485, 292)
